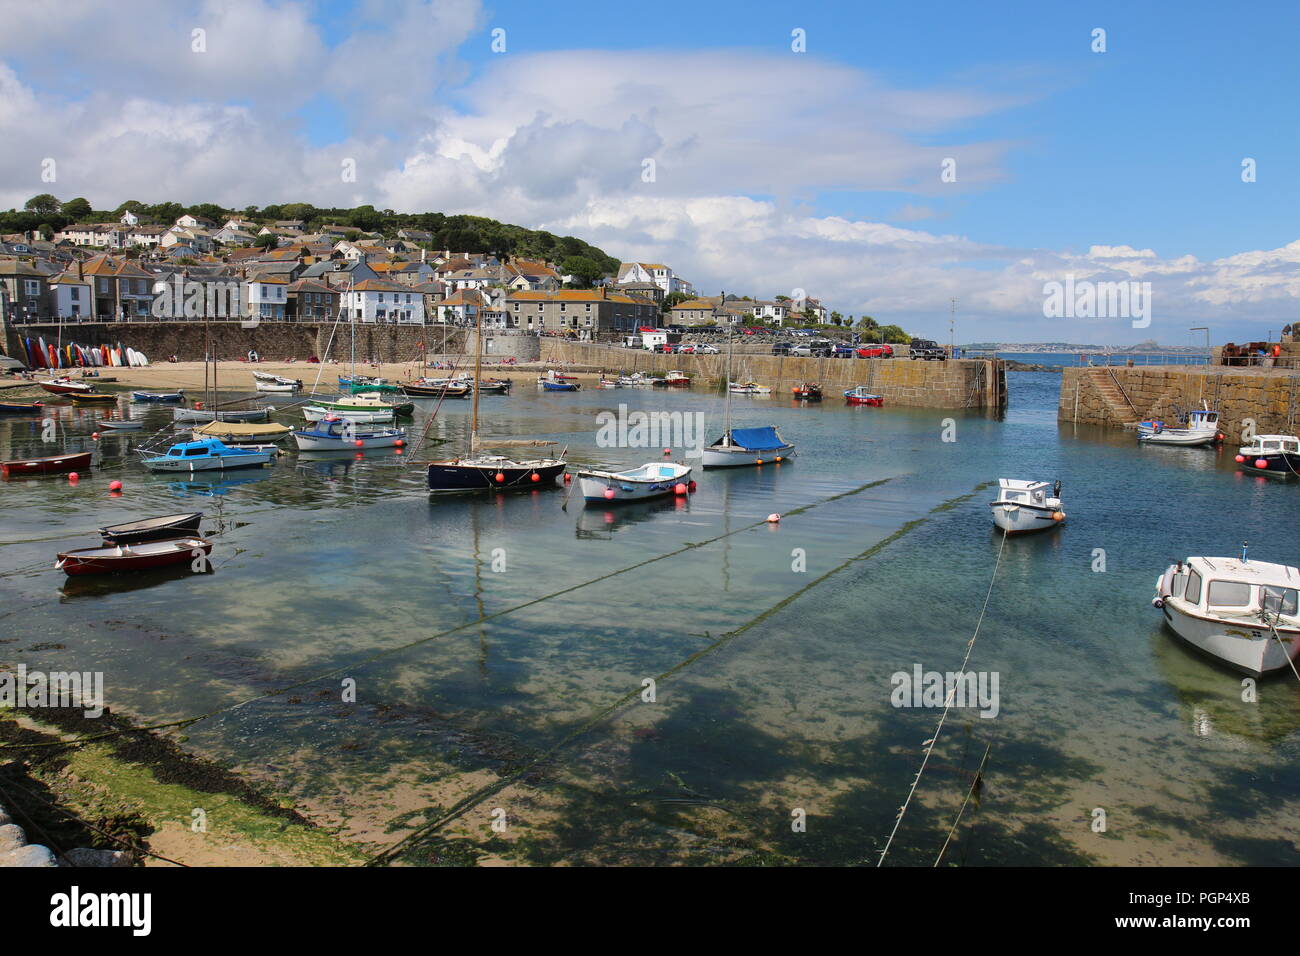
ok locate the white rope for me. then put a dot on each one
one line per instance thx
(947, 705)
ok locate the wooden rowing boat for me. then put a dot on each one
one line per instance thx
(138, 557)
(153, 529)
(55, 465)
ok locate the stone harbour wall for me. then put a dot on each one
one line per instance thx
(1268, 397)
(963, 383)
(273, 341)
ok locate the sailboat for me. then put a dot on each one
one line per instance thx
(482, 472)
(744, 446)
(211, 412)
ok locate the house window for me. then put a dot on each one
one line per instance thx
(33, 286)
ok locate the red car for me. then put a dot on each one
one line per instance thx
(876, 351)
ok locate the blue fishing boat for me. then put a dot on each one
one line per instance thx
(210, 454)
(176, 396)
(561, 386)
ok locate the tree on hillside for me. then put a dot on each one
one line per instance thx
(208, 210)
(672, 299)
(867, 323)
(366, 219)
(267, 240)
(167, 212)
(43, 205)
(77, 210)
(298, 210)
(583, 270)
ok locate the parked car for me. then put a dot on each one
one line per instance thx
(926, 349)
(843, 351)
(782, 348)
(706, 350)
(803, 348)
(666, 348)
(876, 351)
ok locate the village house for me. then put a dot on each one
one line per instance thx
(194, 222)
(102, 235)
(697, 312)
(310, 300)
(24, 291)
(72, 297)
(653, 272)
(378, 300)
(266, 297)
(582, 313)
(122, 290)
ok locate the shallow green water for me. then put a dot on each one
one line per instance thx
(773, 684)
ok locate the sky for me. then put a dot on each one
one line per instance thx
(883, 158)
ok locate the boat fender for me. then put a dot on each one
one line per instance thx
(500, 477)
(1240, 459)
(1261, 463)
(1157, 602)
(1058, 515)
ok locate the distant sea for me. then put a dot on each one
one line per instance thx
(1069, 359)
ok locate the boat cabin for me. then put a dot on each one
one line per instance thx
(1273, 445)
(197, 449)
(1202, 418)
(1024, 492)
(1230, 587)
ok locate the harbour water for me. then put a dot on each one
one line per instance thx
(500, 645)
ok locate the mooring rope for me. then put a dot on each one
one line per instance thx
(975, 784)
(947, 705)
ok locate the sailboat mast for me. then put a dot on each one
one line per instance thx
(728, 381)
(478, 375)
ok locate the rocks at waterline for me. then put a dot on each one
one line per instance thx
(16, 851)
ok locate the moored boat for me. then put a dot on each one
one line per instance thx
(21, 408)
(560, 386)
(120, 425)
(807, 392)
(341, 435)
(139, 557)
(749, 388)
(1202, 428)
(651, 480)
(449, 390)
(221, 414)
(1242, 612)
(65, 386)
(858, 395)
(93, 399)
(209, 454)
(1026, 506)
(677, 379)
(242, 433)
(1277, 456)
(747, 446)
(316, 413)
(152, 529)
(176, 396)
(53, 465)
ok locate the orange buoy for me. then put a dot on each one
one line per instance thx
(679, 489)
(773, 518)
(535, 477)
(501, 476)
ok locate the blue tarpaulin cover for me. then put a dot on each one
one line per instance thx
(757, 439)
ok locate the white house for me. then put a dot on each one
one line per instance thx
(266, 296)
(633, 273)
(73, 298)
(129, 219)
(377, 300)
(195, 222)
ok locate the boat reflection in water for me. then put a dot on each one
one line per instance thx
(597, 522)
(336, 463)
(99, 585)
(217, 486)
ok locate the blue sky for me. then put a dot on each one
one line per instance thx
(1145, 139)
(775, 170)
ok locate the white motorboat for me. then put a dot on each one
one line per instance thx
(749, 388)
(316, 413)
(1202, 429)
(747, 446)
(1242, 612)
(649, 481)
(342, 435)
(266, 382)
(1277, 456)
(1027, 506)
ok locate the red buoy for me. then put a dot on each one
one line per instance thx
(609, 492)
(535, 477)
(567, 477)
(1240, 459)
(114, 485)
(691, 486)
(1261, 463)
(500, 477)
(679, 489)
(73, 478)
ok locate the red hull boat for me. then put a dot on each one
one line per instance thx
(137, 557)
(65, 386)
(58, 465)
